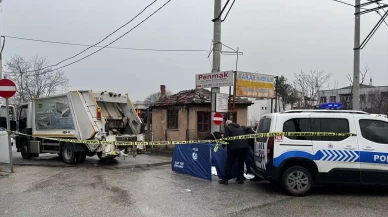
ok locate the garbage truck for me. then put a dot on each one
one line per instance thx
(70, 123)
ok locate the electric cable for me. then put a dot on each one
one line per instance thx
(76, 61)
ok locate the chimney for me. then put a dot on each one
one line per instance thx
(370, 82)
(162, 90)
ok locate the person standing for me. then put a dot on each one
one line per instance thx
(256, 126)
(236, 150)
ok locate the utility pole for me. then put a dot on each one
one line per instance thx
(276, 93)
(217, 46)
(1, 54)
(356, 63)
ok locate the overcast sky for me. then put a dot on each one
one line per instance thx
(278, 37)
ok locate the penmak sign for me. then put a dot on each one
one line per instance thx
(219, 79)
(254, 85)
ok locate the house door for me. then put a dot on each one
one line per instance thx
(203, 124)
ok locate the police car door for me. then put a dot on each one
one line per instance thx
(337, 158)
(260, 158)
(373, 141)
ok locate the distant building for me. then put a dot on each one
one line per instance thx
(368, 94)
(187, 115)
(141, 105)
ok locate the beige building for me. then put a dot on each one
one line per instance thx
(187, 116)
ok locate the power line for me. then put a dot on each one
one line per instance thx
(378, 12)
(344, 3)
(364, 8)
(118, 48)
(51, 70)
(102, 39)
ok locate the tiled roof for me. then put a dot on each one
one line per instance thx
(194, 96)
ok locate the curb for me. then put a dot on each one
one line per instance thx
(94, 165)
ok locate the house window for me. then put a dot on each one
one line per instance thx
(362, 97)
(233, 116)
(333, 99)
(172, 119)
(371, 97)
(323, 99)
(203, 122)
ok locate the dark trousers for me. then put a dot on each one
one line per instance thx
(232, 156)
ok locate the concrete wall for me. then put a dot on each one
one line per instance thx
(4, 151)
(262, 107)
(159, 122)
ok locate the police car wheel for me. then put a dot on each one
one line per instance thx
(297, 181)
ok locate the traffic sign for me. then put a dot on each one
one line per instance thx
(7, 88)
(218, 118)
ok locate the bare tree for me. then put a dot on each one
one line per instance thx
(309, 84)
(155, 97)
(348, 104)
(363, 73)
(33, 79)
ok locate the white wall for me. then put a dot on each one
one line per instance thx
(4, 151)
(258, 109)
(262, 107)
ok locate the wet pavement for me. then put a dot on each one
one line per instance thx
(158, 191)
(53, 160)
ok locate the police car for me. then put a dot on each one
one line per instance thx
(298, 163)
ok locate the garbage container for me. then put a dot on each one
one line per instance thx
(4, 151)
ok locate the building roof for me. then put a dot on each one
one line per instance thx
(193, 96)
(361, 86)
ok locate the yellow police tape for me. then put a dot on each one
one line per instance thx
(222, 140)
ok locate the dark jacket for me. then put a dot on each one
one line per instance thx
(247, 131)
(236, 130)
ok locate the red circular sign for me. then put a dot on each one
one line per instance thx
(7, 88)
(218, 118)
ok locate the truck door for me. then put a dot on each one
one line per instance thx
(337, 157)
(373, 141)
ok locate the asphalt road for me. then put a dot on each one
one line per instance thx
(158, 191)
(53, 160)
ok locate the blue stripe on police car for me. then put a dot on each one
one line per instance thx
(336, 156)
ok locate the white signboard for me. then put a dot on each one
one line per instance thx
(222, 102)
(219, 79)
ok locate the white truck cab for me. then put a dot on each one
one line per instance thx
(299, 162)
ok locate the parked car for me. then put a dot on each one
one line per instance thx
(297, 163)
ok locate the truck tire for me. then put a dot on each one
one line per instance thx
(68, 154)
(80, 157)
(25, 150)
(99, 155)
(297, 181)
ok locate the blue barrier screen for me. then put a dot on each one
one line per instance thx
(193, 159)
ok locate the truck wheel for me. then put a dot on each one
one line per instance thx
(68, 154)
(297, 181)
(80, 157)
(25, 150)
(99, 155)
